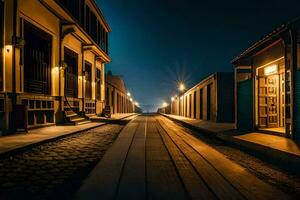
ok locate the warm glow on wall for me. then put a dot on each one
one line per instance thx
(269, 70)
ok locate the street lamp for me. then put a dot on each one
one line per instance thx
(131, 99)
(172, 99)
(128, 94)
(165, 104)
(136, 103)
(181, 87)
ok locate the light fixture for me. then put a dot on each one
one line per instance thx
(272, 69)
(128, 94)
(181, 87)
(8, 48)
(172, 99)
(136, 103)
(165, 104)
(131, 99)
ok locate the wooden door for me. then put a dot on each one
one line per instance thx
(71, 73)
(88, 80)
(268, 101)
(273, 114)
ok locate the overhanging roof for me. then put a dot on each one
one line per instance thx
(266, 40)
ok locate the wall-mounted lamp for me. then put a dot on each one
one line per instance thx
(63, 65)
(269, 70)
(8, 48)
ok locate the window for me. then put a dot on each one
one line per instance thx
(74, 7)
(88, 20)
(93, 28)
(37, 60)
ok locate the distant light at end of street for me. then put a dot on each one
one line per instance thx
(165, 104)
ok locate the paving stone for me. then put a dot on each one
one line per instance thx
(51, 169)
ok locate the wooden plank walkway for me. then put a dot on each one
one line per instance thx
(153, 158)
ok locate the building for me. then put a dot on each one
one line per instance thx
(117, 96)
(164, 110)
(211, 99)
(52, 61)
(267, 82)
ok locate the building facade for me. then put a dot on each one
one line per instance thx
(211, 99)
(117, 96)
(267, 82)
(52, 61)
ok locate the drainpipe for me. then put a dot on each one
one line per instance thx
(293, 68)
(14, 40)
(59, 68)
(83, 77)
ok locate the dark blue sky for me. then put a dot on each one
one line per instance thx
(156, 43)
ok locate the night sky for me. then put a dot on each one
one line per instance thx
(156, 43)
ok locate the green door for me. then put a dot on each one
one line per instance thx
(296, 115)
(244, 105)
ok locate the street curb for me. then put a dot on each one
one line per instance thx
(17, 150)
(108, 120)
(275, 156)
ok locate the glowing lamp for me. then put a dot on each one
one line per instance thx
(269, 70)
(165, 104)
(181, 87)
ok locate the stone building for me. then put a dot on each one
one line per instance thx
(211, 99)
(117, 96)
(52, 61)
(267, 83)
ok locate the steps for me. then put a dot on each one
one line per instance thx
(73, 118)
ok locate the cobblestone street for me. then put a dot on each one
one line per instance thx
(55, 168)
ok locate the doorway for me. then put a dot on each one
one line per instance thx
(271, 99)
(208, 101)
(71, 73)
